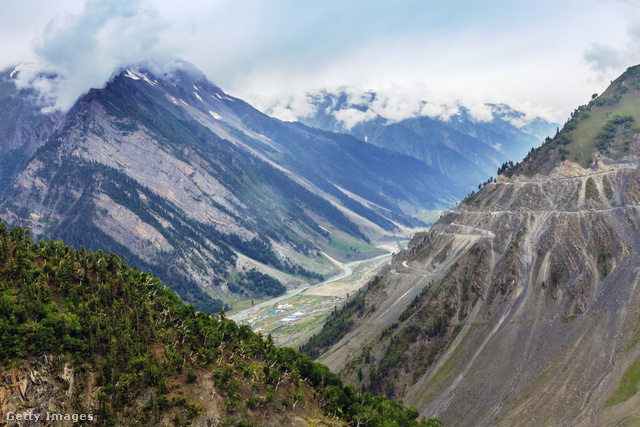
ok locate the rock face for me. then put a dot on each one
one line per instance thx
(41, 393)
(520, 306)
(177, 176)
(40, 387)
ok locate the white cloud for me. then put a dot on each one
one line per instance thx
(440, 111)
(293, 108)
(480, 112)
(395, 103)
(395, 108)
(83, 50)
(541, 55)
(351, 116)
(518, 122)
(608, 61)
(357, 96)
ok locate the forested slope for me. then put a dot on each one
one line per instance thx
(84, 333)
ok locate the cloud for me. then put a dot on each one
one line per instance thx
(540, 54)
(607, 60)
(604, 58)
(351, 106)
(395, 108)
(351, 116)
(480, 112)
(518, 122)
(441, 111)
(83, 50)
(293, 108)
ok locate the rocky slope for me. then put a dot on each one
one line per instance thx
(520, 306)
(178, 176)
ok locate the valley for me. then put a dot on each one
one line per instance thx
(320, 241)
(350, 216)
(218, 199)
(292, 318)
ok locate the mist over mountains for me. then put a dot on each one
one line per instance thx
(465, 144)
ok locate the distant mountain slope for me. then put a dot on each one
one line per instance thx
(465, 149)
(23, 128)
(180, 177)
(520, 306)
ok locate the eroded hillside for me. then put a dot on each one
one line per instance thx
(520, 306)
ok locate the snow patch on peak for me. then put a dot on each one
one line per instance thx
(152, 83)
(195, 87)
(198, 96)
(139, 76)
(24, 66)
(215, 115)
(131, 75)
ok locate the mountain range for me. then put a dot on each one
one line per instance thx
(465, 147)
(219, 199)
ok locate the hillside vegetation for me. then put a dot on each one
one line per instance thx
(84, 333)
(607, 125)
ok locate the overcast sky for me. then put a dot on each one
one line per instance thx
(542, 56)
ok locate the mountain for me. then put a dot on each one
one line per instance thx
(520, 306)
(86, 339)
(464, 148)
(219, 199)
(23, 128)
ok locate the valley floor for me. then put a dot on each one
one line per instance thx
(292, 318)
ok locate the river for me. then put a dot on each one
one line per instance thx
(347, 270)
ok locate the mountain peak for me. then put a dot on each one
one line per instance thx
(177, 72)
(607, 126)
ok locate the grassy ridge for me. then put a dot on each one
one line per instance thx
(607, 124)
